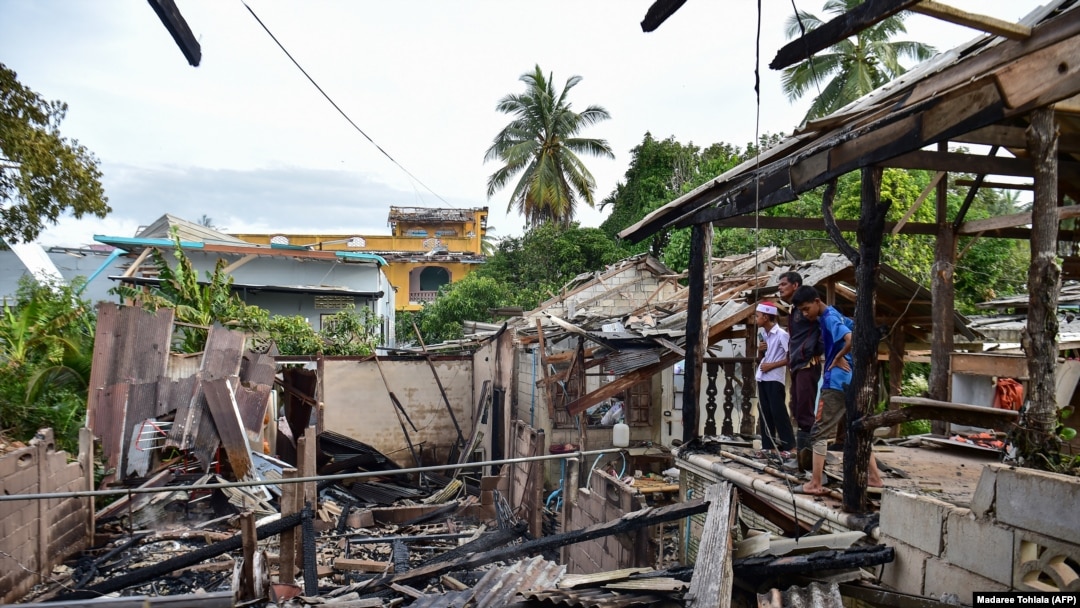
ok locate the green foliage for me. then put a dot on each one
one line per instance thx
(42, 174)
(46, 345)
(541, 144)
(852, 67)
(466, 300)
(350, 332)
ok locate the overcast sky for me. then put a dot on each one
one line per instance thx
(246, 140)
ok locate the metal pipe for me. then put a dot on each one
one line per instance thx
(317, 478)
(756, 485)
(773, 471)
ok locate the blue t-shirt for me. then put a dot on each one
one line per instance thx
(833, 330)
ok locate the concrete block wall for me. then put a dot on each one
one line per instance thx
(39, 534)
(607, 499)
(1022, 533)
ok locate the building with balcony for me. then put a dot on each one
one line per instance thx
(426, 248)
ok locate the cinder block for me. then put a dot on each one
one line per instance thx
(943, 578)
(982, 502)
(917, 520)
(1044, 564)
(906, 572)
(979, 545)
(1034, 500)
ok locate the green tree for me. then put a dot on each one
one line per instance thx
(42, 173)
(852, 67)
(469, 299)
(542, 144)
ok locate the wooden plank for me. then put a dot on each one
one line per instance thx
(289, 493)
(711, 584)
(1037, 74)
(993, 25)
(362, 565)
(918, 202)
(178, 28)
(918, 408)
(840, 28)
(989, 364)
(222, 404)
(247, 569)
(955, 162)
(1013, 220)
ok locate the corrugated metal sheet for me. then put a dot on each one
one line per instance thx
(594, 598)
(142, 405)
(814, 595)
(626, 361)
(499, 586)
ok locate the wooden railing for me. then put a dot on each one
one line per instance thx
(713, 365)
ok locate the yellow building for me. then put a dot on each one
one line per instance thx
(426, 249)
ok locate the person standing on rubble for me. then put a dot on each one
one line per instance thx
(836, 376)
(804, 363)
(774, 425)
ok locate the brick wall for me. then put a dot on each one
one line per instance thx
(39, 534)
(1021, 533)
(605, 500)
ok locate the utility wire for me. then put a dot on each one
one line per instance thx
(336, 106)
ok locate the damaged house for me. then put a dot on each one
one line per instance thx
(388, 499)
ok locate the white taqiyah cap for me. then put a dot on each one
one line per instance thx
(767, 307)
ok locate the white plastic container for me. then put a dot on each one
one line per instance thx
(620, 435)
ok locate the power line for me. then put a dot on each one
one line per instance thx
(336, 106)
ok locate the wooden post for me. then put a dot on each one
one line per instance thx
(1044, 282)
(695, 351)
(896, 370)
(306, 493)
(712, 581)
(247, 569)
(570, 498)
(860, 396)
(287, 552)
(86, 460)
(944, 294)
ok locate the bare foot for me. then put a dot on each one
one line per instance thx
(812, 490)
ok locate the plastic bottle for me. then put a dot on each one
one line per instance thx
(620, 435)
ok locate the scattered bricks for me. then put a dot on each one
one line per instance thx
(943, 578)
(362, 565)
(1044, 564)
(1034, 500)
(906, 572)
(917, 520)
(979, 546)
(982, 502)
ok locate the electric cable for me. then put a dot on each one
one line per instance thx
(337, 107)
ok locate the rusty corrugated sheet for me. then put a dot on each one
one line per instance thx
(626, 361)
(252, 403)
(221, 403)
(108, 420)
(814, 595)
(142, 404)
(131, 345)
(258, 368)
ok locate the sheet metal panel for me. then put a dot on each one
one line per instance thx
(110, 411)
(498, 587)
(142, 404)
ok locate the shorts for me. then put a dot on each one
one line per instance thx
(831, 411)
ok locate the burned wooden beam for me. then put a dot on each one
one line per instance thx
(919, 408)
(860, 557)
(845, 26)
(179, 562)
(659, 13)
(627, 523)
(178, 28)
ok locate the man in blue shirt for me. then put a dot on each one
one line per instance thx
(836, 338)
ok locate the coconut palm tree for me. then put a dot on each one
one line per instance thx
(850, 68)
(541, 144)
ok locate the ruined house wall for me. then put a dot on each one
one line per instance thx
(607, 499)
(36, 535)
(1021, 532)
(356, 403)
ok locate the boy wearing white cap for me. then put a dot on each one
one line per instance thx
(774, 425)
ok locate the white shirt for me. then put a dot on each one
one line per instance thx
(776, 349)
